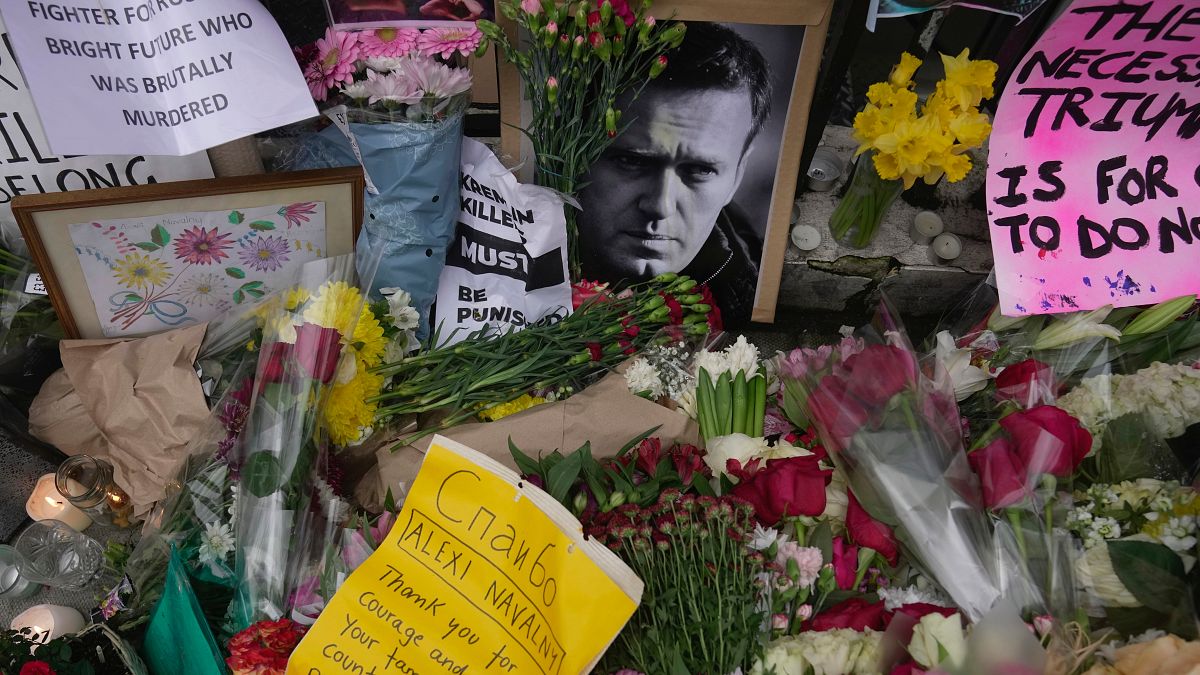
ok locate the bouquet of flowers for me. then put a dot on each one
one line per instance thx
(264, 648)
(900, 143)
(579, 65)
(307, 344)
(540, 361)
(397, 73)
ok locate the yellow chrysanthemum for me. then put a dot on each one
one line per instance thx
(347, 411)
(903, 73)
(295, 297)
(141, 271)
(337, 305)
(368, 342)
(502, 410)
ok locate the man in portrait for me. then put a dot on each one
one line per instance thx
(660, 197)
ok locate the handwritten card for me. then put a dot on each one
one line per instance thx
(480, 574)
(1093, 188)
(154, 273)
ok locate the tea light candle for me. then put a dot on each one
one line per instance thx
(12, 584)
(49, 621)
(946, 247)
(47, 503)
(806, 237)
(925, 227)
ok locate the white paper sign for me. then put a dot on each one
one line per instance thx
(162, 77)
(28, 167)
(506, 267)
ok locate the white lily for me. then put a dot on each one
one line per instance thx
(954, 364)
(1070, 328)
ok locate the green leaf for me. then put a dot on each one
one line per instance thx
(389, 501)
(147, 246)
(159, 235)
(236, 217)
(239, 296)
(563, 475)
(262, 225)
(261, 473)
(525, 464)
(235, 272)
(1152, 572)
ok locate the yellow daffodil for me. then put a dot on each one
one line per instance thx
(968, 82)
(971, 129)
(902, 74)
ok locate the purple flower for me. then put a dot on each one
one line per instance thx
(265, 254)
(199, 246)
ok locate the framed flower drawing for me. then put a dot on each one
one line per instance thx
(132, 261)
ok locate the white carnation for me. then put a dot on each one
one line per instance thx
(840, 651)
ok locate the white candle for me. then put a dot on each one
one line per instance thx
(49, 621)
(806, 237)
(47, 503)
(925, 227)
(946, 246)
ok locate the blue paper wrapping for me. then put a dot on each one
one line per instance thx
(415, 168)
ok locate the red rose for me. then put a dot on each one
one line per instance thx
(919, 609)
(866, 531)
(789, 487)
(879, 372)
(1002, 480)
(835, 411)
(273, 363)
(1027, 384)
(845, 563)
(37, 668)
(855, 614)
(317, 350)
(909, 668)
(1048, 440)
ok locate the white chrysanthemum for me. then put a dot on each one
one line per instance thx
(384, 64)
(763, 537)
(215, 543)
(897, 597)
(357, 90)
(643, 379)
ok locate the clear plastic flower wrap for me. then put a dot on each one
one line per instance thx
(307, 345)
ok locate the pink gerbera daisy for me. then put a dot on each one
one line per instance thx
(334, 65)
(446, 42)
(199, 246)
(387, 42)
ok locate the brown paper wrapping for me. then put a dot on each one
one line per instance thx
(605, 414)
(136, 403)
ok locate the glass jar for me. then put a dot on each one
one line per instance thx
(88, 484)
(13, 585)
(51, 552)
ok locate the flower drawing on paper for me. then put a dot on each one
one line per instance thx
(136, 270)
(203, 289)
(265, 254)
(199, 246)
(215, 543)
(445, 42)
(297, 214)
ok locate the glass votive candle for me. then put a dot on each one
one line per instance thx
(14, 585)
(51, 552)
(87, 482)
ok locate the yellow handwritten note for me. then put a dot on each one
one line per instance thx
(480, 574)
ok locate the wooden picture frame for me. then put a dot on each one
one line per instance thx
(814, 17)
(45, 222)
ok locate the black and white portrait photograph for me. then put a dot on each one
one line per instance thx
(688, 186)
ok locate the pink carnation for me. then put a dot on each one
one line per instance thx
(389, 42)
(334, 65)
(808, 560)
(446, 42)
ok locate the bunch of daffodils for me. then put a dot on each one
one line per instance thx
(930, 141)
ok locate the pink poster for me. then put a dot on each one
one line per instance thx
(1093, 182)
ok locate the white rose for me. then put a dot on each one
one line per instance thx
(935, 635)
(836, 500)
(1095, 571)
